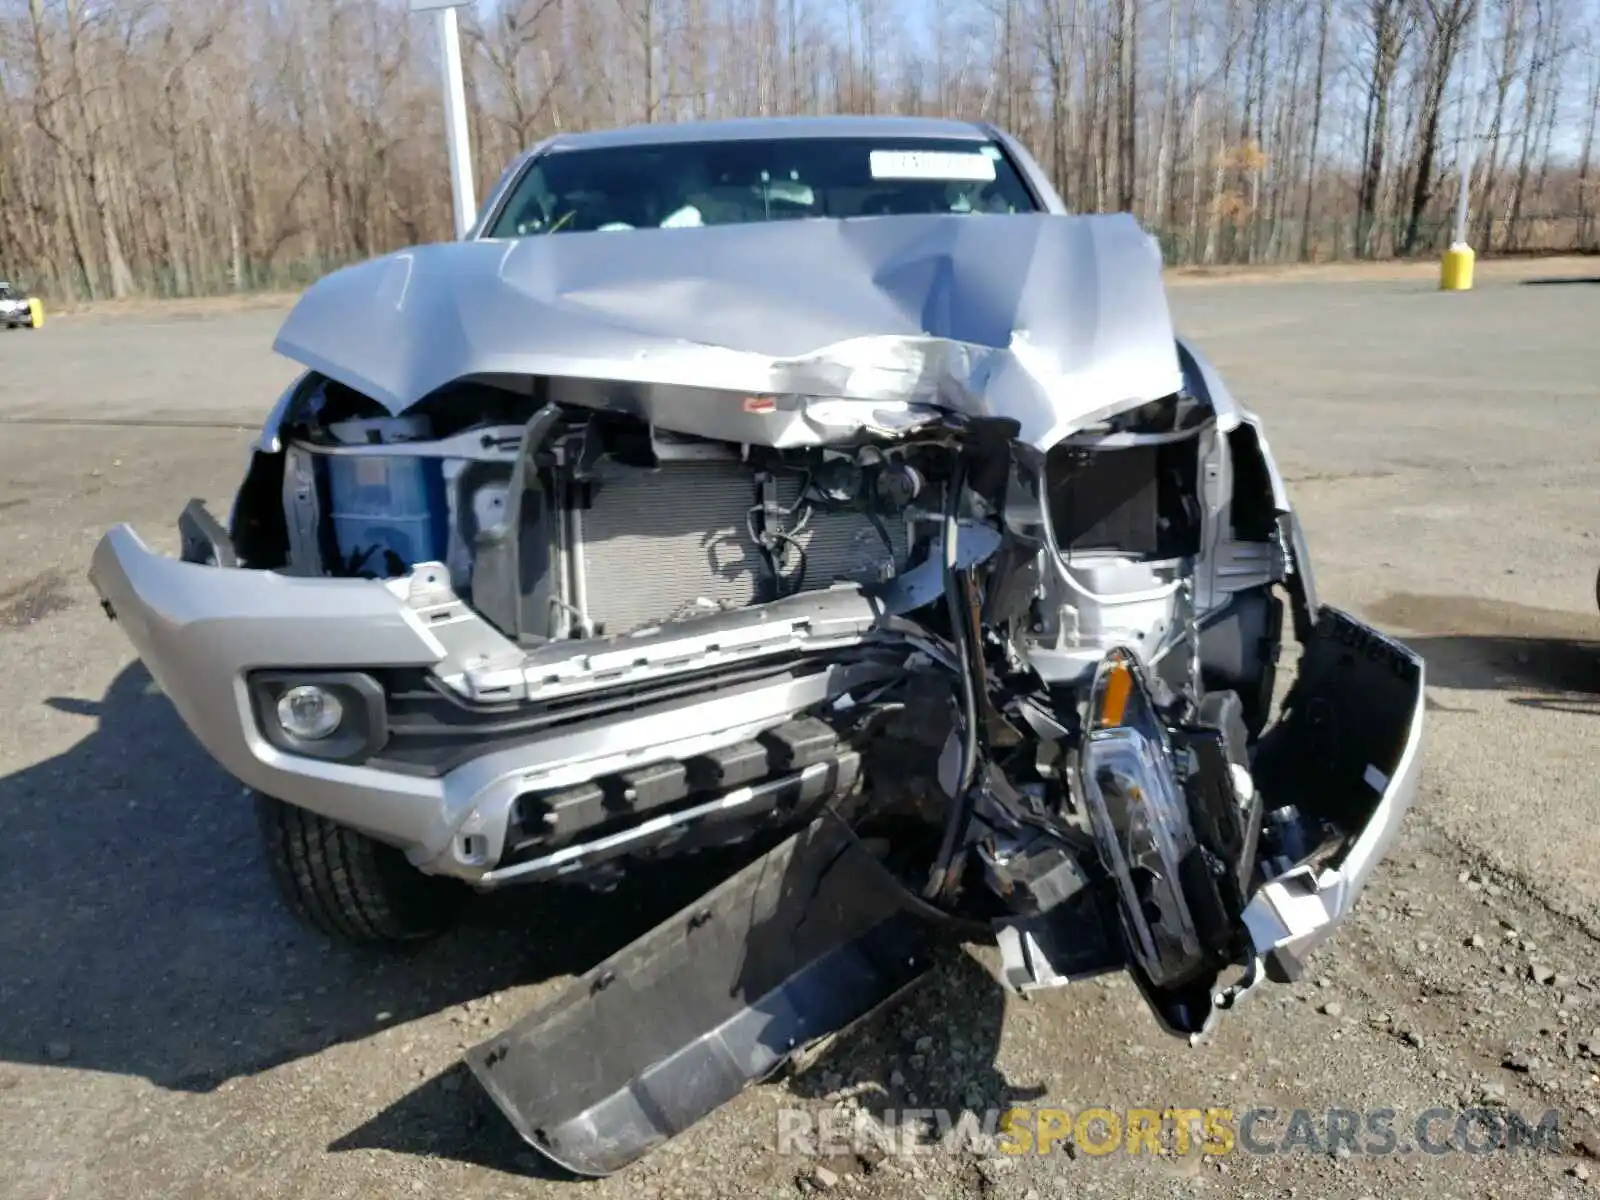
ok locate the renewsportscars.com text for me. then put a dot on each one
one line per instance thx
(1100, 1130)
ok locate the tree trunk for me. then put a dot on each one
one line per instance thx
(1127, 99)
(1449, 22)
(1165, 152)
(1585, 234)
(1552, 104)
(1386, 39)
(1510, 52)
(1530, 101)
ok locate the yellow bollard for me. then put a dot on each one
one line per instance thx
(1455, 273)
(36, 312)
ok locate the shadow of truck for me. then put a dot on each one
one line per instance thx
(142, 934)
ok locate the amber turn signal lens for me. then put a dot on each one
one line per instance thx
(1114, 697)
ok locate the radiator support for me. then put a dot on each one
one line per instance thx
(649, 546)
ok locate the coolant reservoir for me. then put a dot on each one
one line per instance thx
(388, 510)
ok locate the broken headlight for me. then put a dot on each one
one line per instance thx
(1144, 838)
(1139, 812)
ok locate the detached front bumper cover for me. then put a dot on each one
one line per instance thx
(1350, 750)
(804, 941)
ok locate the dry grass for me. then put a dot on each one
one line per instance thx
(1488, 270)
(198, 306)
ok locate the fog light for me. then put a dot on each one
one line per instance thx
(309, 712)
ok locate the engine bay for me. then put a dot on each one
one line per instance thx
(1041, 678)
(549, 529)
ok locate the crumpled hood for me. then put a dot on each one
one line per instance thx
(1054, 321)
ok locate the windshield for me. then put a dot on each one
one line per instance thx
(735, 182)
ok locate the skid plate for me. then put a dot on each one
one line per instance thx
(807, 939)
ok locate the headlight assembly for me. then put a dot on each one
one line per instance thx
(1139, 811)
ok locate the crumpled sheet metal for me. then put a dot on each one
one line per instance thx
(1054, 321)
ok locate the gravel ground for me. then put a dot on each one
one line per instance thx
(165, 1030)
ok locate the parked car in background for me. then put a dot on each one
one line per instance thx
(17, 309)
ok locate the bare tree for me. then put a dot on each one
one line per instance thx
(1584, 189)
(1547, 55)
(1166, 137)
(1443, 22)
(1127, 100)
(185, 146)
(1386, 27)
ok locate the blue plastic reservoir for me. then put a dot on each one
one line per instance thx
(388, 510)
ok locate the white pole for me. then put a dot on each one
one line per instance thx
(1469, 135)
(455, 123)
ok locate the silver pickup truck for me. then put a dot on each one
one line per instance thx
(820, 490)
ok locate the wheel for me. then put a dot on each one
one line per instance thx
(350, 886)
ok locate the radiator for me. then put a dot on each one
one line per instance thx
(668, 544)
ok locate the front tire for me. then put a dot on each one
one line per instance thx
(349, 886)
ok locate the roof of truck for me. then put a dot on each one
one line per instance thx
(747, 128)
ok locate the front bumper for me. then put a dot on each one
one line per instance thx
(202, 631)
(808, 939)
(1351, 749)
(1340, 769)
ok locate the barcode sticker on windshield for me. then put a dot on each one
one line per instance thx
(930, 164)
